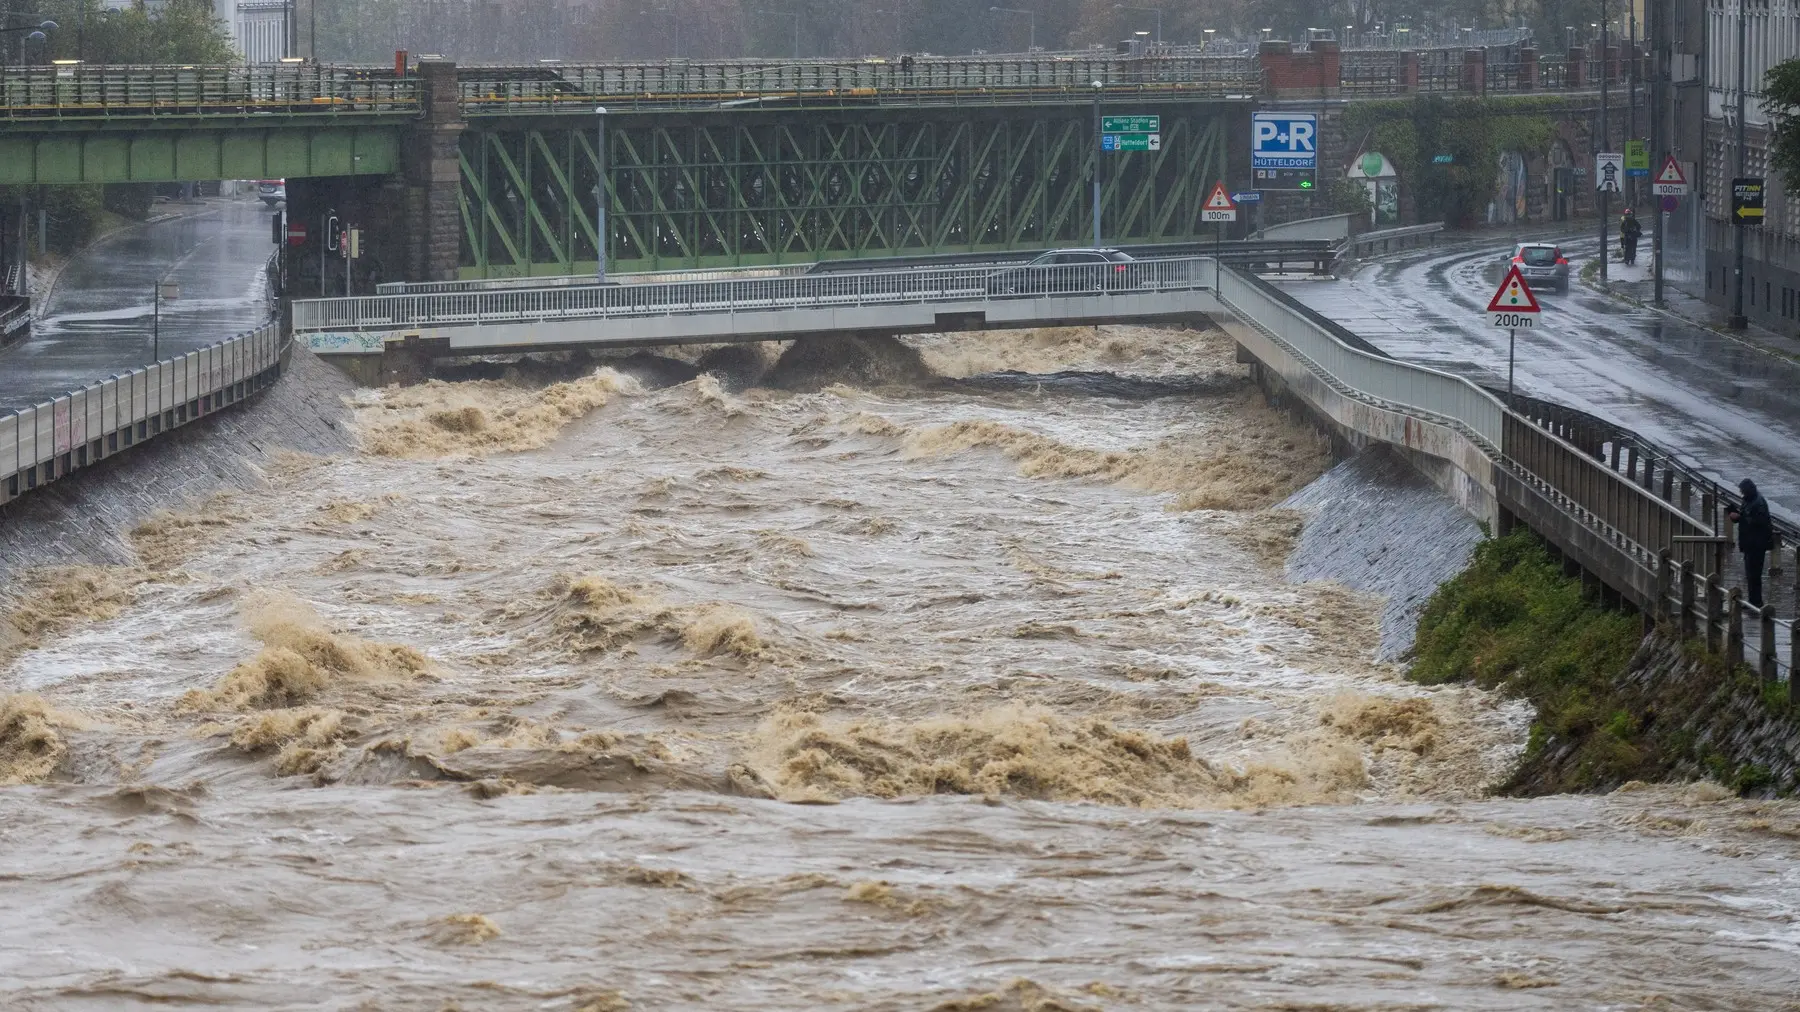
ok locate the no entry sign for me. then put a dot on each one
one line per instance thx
(296, 234)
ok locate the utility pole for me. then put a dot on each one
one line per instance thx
(1737, 320)
(1605, 139)
(1632, 195)
(1660, 146)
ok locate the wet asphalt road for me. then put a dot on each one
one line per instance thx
(1730, 410)
(99, 318)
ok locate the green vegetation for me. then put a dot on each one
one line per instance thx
(1473, 131)
(1611, 705)
(177, 31)
(1781, 97)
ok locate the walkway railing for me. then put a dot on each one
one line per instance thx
(101, 92)
(47, 441)
(916, 81)
(816, 291)
(1605, 485)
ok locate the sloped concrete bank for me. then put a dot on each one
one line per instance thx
(1375, 524)
(1675, 714)
(86, 518)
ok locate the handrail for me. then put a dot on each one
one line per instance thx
(46, 441)
(104, 92)
(811, 291)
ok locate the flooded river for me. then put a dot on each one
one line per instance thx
(865, 680)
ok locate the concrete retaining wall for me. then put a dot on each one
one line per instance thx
(87, 520)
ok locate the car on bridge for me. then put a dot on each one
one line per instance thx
(1086, 269)
(1540, 264)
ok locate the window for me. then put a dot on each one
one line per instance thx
(1540, 256)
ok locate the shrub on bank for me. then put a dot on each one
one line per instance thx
(1612, 704)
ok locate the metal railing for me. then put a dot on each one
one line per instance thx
(104, 92)
(915, 81)
(1593, 472)
(1412, 388)
(813, 291)
(47, 441)
(1387, 240)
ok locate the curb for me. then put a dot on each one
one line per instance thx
(1630, 300)
(40, 305)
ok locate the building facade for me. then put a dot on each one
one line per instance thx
(1706, 110)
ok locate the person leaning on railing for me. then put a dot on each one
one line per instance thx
(1756, 534)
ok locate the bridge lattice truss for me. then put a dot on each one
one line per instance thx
(718, 190)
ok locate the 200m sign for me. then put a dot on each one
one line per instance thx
(1513, 321)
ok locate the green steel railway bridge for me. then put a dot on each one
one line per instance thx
(490, 172)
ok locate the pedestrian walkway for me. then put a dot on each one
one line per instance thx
(1633, 283)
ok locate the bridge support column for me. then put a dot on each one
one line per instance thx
(432, 180)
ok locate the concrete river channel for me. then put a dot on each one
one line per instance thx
(1027, 670)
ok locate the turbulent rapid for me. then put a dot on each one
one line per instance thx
(954, 674)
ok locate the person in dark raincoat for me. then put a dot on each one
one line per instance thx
(1629, 232)
(1756, 535)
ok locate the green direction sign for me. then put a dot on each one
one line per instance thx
(1131, 125)
(1637, 158)
(1131, 142)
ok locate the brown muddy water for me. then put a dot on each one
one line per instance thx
(901, 695)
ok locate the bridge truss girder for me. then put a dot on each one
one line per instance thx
(746, 188)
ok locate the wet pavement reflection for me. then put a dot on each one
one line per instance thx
(100, 319)
(1725, 407)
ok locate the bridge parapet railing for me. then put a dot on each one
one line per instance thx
(924, 80)
(811, 291)
(147, 91)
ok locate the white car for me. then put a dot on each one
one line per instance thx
(272, 191)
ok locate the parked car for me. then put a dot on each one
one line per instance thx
(272, 191)
(1068, 270)
(1541, 264)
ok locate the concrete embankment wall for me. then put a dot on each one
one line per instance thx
(86, 518)
(1374, 523)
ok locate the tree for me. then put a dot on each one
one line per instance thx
(1781, 99)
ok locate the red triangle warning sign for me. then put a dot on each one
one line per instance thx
(1671, 173)
(1514, 295)
(1219, 200)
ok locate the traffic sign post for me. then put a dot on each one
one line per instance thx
(1284, 151)
(1515, 308)
(1609, 172)
(1131, 133)
(1219, 206)
(1670, 181)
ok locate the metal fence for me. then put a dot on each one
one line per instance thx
(1415, 389)
(89, 92)
(813, 291)
(44, 442)
(1647, 508)
(923, 80)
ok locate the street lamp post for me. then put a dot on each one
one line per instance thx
(600, 243)
(1146, 10)
(787, 14)
(35, 33)
(1098, 88)
(1031, 23)
(1605, 139)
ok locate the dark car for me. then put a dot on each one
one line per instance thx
(1068, 271)
(1542, 265)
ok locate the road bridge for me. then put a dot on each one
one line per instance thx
(494, 171)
